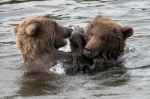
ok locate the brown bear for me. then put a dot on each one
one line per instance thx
(38, 39)
(104, 43)
(105, 38)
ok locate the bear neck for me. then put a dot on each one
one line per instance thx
(44, 61)
(46, 56)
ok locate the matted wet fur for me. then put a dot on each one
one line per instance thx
(105, 38)
(104, 44)
(38, 39)
(80, 62)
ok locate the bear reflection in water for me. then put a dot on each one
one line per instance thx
(40, 84)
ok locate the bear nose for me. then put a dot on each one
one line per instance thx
(87, 50)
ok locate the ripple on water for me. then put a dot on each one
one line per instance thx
(133, 84)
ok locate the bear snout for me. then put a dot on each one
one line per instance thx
(88, 51)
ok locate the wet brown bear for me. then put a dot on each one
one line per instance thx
(38, 39)
(104, 43)
(105, 38)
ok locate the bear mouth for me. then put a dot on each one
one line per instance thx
(61, 43)
(91, 55)
(65, 41)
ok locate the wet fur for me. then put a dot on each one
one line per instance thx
(110, 51)
(40, 48)
(80, 63)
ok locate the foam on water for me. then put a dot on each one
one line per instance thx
(106, 85)
(58, 68)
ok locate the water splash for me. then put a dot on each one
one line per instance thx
(58, 68)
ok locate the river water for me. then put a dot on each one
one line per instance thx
(132, 84)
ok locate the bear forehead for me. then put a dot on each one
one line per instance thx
(40, 20)
(104, 30)
(105, 23)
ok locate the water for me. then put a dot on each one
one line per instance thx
(133, 84)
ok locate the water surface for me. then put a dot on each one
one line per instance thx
(133, 84)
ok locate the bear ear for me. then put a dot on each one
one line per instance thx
(14, 30)
(127, 32)
(33, 29)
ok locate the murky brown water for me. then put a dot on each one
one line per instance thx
(133, 84)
